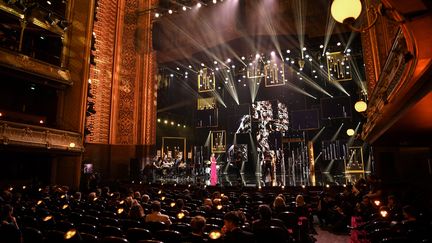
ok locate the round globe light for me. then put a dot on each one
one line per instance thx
(360, 106)
(350, 132)
(346, 10)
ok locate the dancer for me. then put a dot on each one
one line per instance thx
(213, 170)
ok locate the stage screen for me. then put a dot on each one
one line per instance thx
(262, 110)
(240, 120)
(305, 119)
(282, 117)
(337, 107)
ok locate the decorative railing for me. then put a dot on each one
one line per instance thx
(390, 80)
(19, 134)
(30, 65)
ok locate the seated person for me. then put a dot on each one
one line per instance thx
(232, 229)
(197, 235)
(266, 219)
(156, 216)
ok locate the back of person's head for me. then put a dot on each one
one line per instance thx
(197, 224)
(105, 190)
(265, 212)
(6, 211)
(91, 196)
(137, 195)
(145, 198)
(279, 202)
(77, 195)
(156, 206)
(233, 217)
(136, 212)
(300, 201)
(179, 203)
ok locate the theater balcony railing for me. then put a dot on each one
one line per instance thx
(23, 63)
(395, 71)
(30, 136)
(29, 44)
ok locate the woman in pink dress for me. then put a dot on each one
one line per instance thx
(213, 170)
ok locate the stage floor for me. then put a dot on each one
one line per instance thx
(251, 180)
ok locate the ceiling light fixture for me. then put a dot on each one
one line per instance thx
(347, 11)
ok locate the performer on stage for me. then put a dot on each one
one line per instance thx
(213, 170)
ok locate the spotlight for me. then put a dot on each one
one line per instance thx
(214, 1)
(170, 11)
(184, 8)
(273, 53)
(350, 132)
(228, 60)
(321, 46)
(199, 5)
(157, 15)
(377, 202)
(304, 49)
(243, 58)
(360, 106)
(383, 213)
(288, 51)
(338, 44)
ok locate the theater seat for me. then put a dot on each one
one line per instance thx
(108, 230)
(136, 234)
(114, 239)
(89, 238)
(168, 236)
(31, 235)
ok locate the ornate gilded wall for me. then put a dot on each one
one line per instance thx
(123, 80)
(101, 75)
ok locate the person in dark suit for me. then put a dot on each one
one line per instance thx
(266, 219)
(232, 231)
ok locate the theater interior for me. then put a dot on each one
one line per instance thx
(219, 109)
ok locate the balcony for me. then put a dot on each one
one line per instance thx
(23, 135)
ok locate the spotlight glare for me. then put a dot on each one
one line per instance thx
(199, 5)
(338, 44)
(304, 49)
(348, 50)
(288, 51)
(214, 1)
(170, 11)
(273, 53)
(243, 58)
(321, 46)
(184, 8)
(157, 15)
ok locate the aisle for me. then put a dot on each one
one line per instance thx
(327, 237)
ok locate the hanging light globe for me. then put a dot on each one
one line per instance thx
(346, 11)
(360, 106)
(350, 132)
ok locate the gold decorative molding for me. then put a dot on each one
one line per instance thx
(30, 65)
(19, 134)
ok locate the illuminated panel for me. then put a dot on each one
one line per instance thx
(338, 67)
(218, 141)
(274, 74)
(206, 103)
(206, 80)
(255, 69)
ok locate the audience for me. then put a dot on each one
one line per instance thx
(235, 216)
